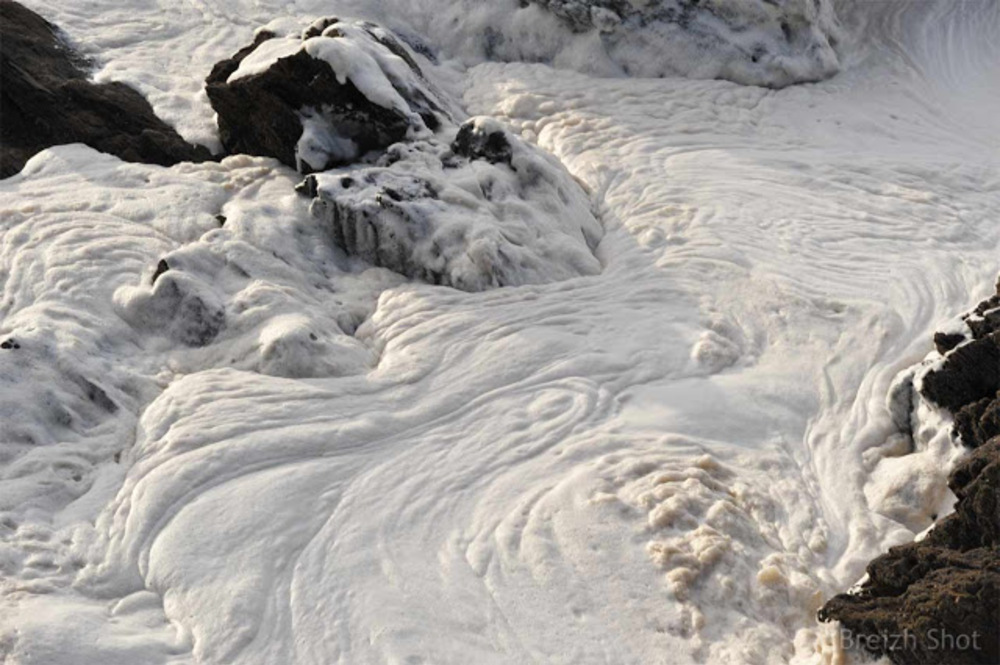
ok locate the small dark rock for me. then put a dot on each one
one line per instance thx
(945, 342)
(161, 268)
(473, 142)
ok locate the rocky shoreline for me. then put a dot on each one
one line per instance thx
(936, 601)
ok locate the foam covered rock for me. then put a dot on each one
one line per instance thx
(322, 97)
(485, 211)
(761, 42)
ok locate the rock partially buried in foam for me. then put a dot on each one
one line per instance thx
(324, 97)
(759, 42)
(47, 99)
(46, 395)
(177, 304)
(486, 211)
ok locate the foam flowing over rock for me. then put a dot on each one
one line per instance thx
(46, 99)
(486, 211)
(941, 594)
(758, 42)
(322, 97)
(473, 207)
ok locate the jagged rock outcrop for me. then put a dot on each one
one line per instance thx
(486, 210)
(968, 378)
(323, 97)
(937, 600)
(47, 99)
(760, 42)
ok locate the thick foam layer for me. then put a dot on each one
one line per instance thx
(682, 455)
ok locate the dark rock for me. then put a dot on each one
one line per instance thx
(267, 112)
(976, 520)
(978, 422)
(46, 99)
(945, 342)
(968, 380)
(984, 323)
(161, 268)
(474, 142)
(945, 585)
(970, 373)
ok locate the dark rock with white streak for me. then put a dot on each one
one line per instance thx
(47, 99)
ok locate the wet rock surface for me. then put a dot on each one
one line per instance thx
(937, 600)
(324, 97)
(46, 99)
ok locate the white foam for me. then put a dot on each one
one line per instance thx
(672, 457)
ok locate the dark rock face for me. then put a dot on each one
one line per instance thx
(301, 106)
(942, 594)
(968, 381)
(474, 143)
(978, 422)
(46, 99)
(970, 372)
